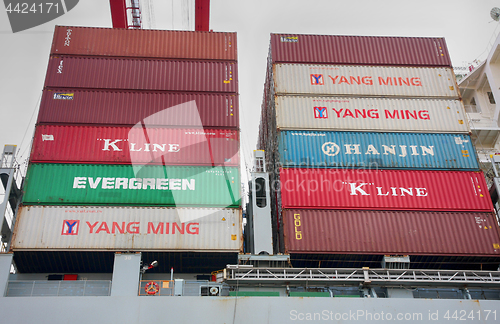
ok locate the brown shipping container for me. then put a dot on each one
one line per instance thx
(362, 50)
(387, 232)
(141, 74)
(144, 43)
(95, 107)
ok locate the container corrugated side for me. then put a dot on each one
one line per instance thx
(71, 106)
(149, 185)
(363, 50)
(127, 228)
(383, 81)
(390, 232)
(136, 145)
(141, 74)
(144, 43)
(371, 114)
(384, 190)
(376, 150)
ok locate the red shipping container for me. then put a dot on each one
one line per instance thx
(359, 50)
(391, 232)
(141, 74)
(144, 43)
(384, 190)
(70, 106)
(135, 145)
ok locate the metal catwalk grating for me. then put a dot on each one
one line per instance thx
(365, 276)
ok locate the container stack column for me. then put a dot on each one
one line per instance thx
(371, 155)
(136, 148)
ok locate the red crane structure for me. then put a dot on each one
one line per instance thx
(202, 15)
(120, 20)
(118, 13)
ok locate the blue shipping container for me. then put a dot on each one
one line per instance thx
(312, 149)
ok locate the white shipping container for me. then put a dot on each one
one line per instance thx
(370, 114)
(128, 228)
(342, 80)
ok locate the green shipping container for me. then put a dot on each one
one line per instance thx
(150, 185)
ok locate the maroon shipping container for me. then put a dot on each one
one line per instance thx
(362, 50)
(135, 145)
(144, 43)
(141, 74)
(384, 190)
(390, 232)
(70, 106)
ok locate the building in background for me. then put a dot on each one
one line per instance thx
(480, 93)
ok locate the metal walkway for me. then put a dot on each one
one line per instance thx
(244, 275)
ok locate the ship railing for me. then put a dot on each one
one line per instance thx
(44, 288)
(180, 287)
(365, 276)
(156, 288)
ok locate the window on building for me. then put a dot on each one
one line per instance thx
(470, 106)
(260, 195)
(491, 98)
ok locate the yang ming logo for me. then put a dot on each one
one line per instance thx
(27, 14)
(317, 79)
(70, 227)
(320, 112)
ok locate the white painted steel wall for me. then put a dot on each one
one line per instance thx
(250, 310)
(344, 80)
(127, 228)
(370, 114)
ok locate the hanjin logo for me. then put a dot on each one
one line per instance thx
(320, 112)
(70, 227)
(330, 148)
(317, 79)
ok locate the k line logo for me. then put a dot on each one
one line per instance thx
(70, 227)
(320, 112)
(317, 79)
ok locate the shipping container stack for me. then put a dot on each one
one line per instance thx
(368, 140)
(136, 148)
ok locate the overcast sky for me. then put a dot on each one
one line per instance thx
(465, 24)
